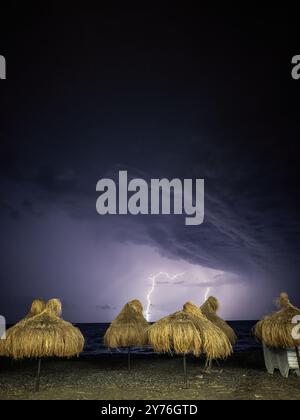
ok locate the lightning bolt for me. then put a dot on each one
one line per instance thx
(206, 294)
(153, 279)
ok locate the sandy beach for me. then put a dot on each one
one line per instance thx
(241, 377)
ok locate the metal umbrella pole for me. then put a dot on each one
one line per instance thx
(129, 359)
(37, 383)
(185, 370)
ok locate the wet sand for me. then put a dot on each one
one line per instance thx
(241, 377)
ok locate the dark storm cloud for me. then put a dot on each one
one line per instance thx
(219, 280)
(245, 227)
(226, 281)
(248, 217)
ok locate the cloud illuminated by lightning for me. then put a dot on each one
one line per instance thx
(153, 279)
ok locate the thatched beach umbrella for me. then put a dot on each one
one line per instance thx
(189, 331)
(37, 306)
(44, 335)
(210, 309)
(276, 330)
(128, 329)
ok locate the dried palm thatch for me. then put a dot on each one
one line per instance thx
(189, 331)
(136, 304)
(210, 309)
(275, 330)
(55, 306)
(37, 306)
(44, 335)
(129, 327)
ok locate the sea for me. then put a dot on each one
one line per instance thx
(94, 334)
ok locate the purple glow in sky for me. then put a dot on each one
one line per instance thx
(95, 265)
(95, 274)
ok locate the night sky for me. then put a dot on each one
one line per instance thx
(176, 93)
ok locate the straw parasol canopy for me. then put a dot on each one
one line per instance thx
(275, 330)
(55, 306)
(44, 334)
(37, 306)
(210, 309)
(129, 328)
(189, 331)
